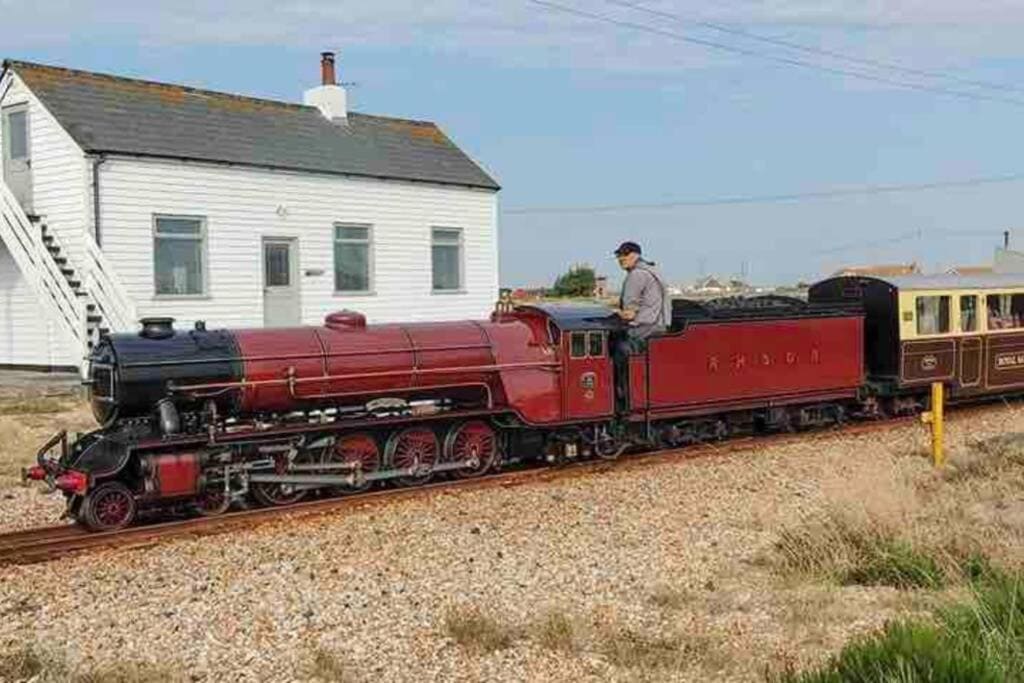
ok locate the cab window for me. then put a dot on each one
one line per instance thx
(578, 345)
(1005, 311)
(969, 313)
(932, 314)
(596, 345)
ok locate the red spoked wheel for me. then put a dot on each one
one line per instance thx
(474, 440)
(212, 500)
(413, 447)
(355, 449)
(108, 507)
(277, 494)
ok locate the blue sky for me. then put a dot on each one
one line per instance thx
(571, 112)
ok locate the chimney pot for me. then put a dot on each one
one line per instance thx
(327, 68)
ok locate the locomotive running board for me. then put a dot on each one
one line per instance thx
(352, 479)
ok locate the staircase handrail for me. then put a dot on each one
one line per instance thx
(24, 239)
(106, 290)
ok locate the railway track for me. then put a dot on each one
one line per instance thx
(47, 543)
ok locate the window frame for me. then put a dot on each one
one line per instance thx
(988, 311)
(573, 336)
(603, 353)
(371, 257)
(204, 253)
(976, 310)
(949, 315)
(460, 261)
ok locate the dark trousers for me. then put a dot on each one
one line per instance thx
(624, 347)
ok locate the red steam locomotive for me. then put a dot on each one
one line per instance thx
(202, 418)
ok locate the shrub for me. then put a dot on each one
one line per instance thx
(474, 630)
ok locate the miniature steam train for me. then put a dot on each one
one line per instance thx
(203, 418)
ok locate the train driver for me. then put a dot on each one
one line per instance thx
(644, 303)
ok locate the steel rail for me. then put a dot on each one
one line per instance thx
(48, 543)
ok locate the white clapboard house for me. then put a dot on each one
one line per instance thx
(123, 199)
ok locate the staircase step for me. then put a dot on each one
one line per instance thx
(94, 318)
(53, 249)
(81, 292)
(67, 272)
(75, 284)
(90, 307)
(60, 260)
(48, 239)
(33, 217)
(104, 331)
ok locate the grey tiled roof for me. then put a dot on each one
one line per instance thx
(109, 114)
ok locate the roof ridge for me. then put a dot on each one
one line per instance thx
(15, 63)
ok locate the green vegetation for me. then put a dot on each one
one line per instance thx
(867, 553)
(977, 641)
(579, 281)
(325, 665)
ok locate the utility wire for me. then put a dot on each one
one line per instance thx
(772, 58)
(731, 30)
(768, 199)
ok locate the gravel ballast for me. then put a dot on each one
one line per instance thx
(667, 558)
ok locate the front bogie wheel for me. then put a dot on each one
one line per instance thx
(108, 507)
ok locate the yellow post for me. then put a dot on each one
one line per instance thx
(934, 418)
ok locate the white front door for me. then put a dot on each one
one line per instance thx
(281, 301)
(17, 163)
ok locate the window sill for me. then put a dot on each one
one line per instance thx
(360, 293)
(448, 292)
(181, 297)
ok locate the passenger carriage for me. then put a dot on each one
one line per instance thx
(964, 331)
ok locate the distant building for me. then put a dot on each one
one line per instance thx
(970, 270)
(880, 270)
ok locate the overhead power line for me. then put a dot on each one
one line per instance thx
(810, 49)
(770, 198)
(725, 47)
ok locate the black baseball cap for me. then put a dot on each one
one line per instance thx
(628, 248)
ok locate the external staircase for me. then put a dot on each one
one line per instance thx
(84, 298)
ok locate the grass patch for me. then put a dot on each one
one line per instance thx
(633, 650)
(328, 666)
(977, 641)
(668, 598)
(36, 664)
(855, 552)
(987, 459)
(39, 404)
(474, 630)
(556, 632)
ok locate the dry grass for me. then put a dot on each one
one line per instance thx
(41, 665)
(326, 665)
(477, 631)
(668, 598)
(556, 631)
(22, 433)
(632, 649)
(988, 459)
(38, 405)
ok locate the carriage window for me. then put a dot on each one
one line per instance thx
(969, 313)
(932, 314)
(1005, 311)
(596, 344)
(578, 345)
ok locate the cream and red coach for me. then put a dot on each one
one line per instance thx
(199, 419)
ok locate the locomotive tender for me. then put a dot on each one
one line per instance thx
(201, 418)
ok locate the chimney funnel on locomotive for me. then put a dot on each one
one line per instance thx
(157, 328)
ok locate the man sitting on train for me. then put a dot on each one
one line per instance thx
(644, 306)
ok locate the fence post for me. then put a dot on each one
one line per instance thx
(934, 417)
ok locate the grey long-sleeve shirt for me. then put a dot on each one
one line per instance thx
(643, 291)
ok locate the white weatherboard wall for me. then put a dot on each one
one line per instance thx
(60, 191)
(243, 205)
(61, 178)
(26, 338)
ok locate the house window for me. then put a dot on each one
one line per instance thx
(595, 341)
(969, 313)
(446, 257)
(932, 314)
(179, 255)
(352, 258)
(1005, 311)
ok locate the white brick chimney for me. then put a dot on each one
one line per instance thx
(329, 97)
